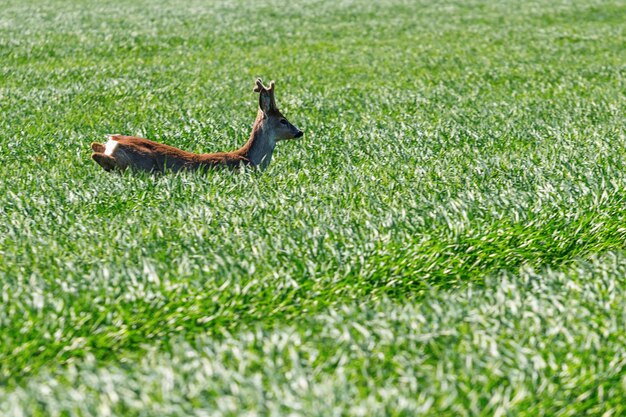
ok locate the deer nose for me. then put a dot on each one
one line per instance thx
(299, 134)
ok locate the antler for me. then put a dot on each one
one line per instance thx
(259, 86)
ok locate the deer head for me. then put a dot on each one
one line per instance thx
(270, 117)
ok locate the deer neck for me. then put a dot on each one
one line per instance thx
(261, 144)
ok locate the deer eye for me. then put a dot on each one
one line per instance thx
(283, 121)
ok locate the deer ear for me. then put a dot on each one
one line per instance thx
(265, 101)
(266, 96)
(271, 94)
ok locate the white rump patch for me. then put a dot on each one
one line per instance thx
(110, 146)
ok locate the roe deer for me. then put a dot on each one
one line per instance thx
(270, 126)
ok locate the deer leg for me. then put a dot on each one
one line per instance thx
(107, 162)
(97, 147)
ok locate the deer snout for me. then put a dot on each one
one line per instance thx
(298, 134)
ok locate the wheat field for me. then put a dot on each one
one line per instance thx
(448, 238)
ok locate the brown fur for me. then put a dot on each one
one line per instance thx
(269, 127)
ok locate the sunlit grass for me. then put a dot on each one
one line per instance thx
(447, 238)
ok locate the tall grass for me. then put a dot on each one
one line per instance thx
(448, 237)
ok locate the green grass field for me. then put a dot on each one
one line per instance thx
(449, 237)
